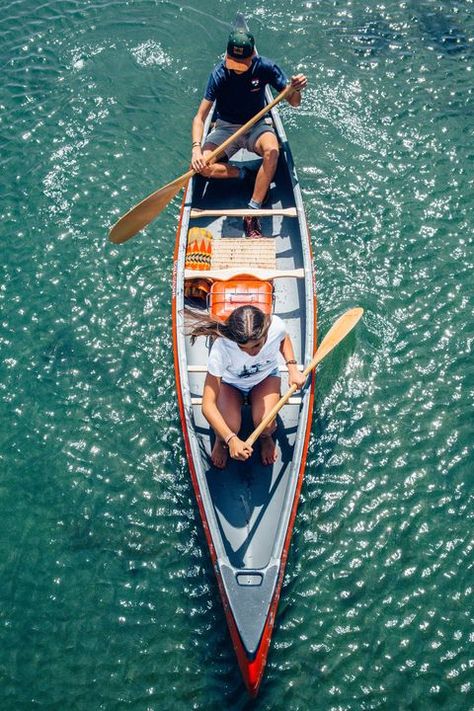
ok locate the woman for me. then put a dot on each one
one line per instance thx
(244, 362)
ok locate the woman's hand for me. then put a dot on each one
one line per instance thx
(197, 160)
(239, 449)
(295, 377)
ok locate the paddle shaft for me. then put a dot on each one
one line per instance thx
(276, 409)
(336, 333)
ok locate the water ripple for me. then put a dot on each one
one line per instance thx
(109, 597)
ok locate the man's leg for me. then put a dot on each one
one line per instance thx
(267, 147)
(218, 170)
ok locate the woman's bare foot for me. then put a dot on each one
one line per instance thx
(219, 454)
(268, 450)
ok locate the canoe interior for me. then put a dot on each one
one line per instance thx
(247, 507)
(248, 497)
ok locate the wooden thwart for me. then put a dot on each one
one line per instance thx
(255, 273)
(246, 212)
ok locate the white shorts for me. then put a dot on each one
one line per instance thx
(223, 130)
(245, 389)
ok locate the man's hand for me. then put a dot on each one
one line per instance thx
(299, 82)
(197, 160)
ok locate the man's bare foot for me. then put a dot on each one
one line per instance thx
(219, 454)
(268, 450)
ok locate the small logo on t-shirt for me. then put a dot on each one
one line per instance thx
(247, 372)
(255, 84)
(256, 368)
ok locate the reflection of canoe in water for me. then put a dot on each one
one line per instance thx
(248, 509)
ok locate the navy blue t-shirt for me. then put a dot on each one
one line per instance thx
(241, 96)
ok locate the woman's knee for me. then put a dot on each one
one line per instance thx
(260, 410)
(269, 429)
(229, 404)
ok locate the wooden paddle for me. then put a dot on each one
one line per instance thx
(139, 216)
(336, 333)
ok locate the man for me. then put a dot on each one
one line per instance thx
(237, 84)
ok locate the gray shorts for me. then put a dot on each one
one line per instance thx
(223, 130)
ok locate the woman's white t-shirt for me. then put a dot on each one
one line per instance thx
(238, 368)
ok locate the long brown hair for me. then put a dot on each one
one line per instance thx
(246, 323)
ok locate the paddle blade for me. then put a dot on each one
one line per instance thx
(335, 335)
(142, 214)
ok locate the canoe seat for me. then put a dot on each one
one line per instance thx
(226, 296)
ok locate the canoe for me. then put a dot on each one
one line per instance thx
(248, 509)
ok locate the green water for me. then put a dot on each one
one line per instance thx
(107, 596)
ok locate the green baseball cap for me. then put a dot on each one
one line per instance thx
(240, 50)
